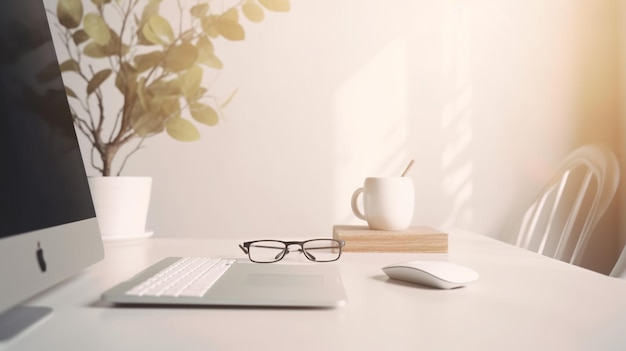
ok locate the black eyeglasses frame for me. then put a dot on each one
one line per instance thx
(245, 247)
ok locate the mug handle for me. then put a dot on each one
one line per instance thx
(355, 206)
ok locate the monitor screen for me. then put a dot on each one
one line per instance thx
(48, 229)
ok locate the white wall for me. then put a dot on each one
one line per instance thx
(486, 96)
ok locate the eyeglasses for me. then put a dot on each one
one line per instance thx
(268, 251)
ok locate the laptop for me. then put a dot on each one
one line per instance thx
(232, 282)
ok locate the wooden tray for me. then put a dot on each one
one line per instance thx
(421, 239)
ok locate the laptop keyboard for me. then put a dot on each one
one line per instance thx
(189, 276)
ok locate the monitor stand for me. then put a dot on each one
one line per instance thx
(19, 318)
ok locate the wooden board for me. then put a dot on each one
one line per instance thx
(420, 239)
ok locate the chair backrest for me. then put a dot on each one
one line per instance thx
(564, 214)
(619, 270)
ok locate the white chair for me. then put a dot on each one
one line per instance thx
(619, 270)
(559, 222)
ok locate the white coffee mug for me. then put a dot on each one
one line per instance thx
(388, 202)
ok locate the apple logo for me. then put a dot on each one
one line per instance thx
(40, 258)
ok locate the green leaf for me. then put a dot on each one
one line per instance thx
(230, 30)
(69, 92)
(204, 114)
(70, 13)
(141, 38)
(201, 92)
(94, 50)
(276, 5)
(253, 11)
(80, 36)
(69, 65)
(151, 9)
(141, 85)
(146, 123)
(96, 28)
(145, 62)
(101, 2)
(230, 15)
(181, 129)
(209, 25)
(180, 57)
(161, 88)
(214, 62)
(206, 55)
(126, 81)
(190, 82)
(188, 36)
(158, 30)
(97, 80)
(168, 106)
(205, 47)
(200, 10)
(113, 48)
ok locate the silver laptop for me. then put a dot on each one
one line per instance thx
(231, 282)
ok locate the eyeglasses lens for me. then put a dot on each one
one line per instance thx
(266, 251)
(322, 250)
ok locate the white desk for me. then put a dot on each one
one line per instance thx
(522, 301)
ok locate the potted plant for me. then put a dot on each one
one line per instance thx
(132, 72)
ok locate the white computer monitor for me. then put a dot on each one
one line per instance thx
(48, 228)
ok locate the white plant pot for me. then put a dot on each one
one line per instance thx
(121, 205)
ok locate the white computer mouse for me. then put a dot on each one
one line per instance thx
(437, 274)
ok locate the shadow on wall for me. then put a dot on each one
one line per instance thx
(398, 129)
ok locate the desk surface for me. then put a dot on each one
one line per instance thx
(522, 301)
